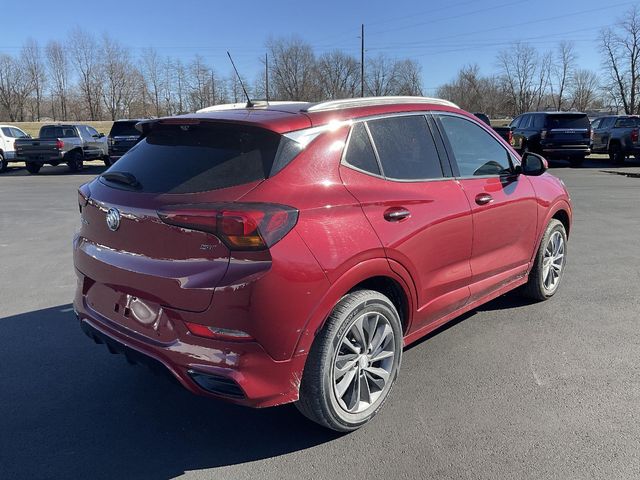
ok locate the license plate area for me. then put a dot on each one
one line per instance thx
(131, 312)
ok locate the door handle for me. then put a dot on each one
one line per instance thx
(483, 198)
(395, 214)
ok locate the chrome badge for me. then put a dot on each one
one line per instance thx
(113, 219)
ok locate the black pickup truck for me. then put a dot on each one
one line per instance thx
(616, 135)
(122, 137)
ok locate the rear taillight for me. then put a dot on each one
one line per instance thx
(591, 134)
(59, 144)
(543, 134)
(241, 226)
(110, 141)
(634, 135)
(510, 137)
(217, 333)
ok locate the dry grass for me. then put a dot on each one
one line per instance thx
(32, 128)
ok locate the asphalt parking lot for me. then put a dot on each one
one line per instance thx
(512, 390)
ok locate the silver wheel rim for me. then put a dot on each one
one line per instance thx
(553, 261)
(364, 362)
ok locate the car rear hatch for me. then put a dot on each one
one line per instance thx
(567, 129)
(132, 248)
(122, 137)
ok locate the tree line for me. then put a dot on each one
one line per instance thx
(85, 77)
(89, 78)
(528, 79)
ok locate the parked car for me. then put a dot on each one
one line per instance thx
(564, 135)
(504, 132)
(616, 135)
(122, 137)
(62, 143)
(8, 136)
(287, 253)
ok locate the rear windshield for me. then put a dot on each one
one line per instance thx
(567, 121)
(628, 122)
(197, 158)
(124, 129)
(57, 132)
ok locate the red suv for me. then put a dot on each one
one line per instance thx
(288, 252)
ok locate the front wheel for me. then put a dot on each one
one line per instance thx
(548, 267)
(353, 362)
(107, 160)
(3, 163)
(75, 162)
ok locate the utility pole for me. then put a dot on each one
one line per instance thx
(266, 76)
(362, 60)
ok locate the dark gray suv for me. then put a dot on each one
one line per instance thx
(562, 135)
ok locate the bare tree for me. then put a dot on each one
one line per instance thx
(58, 64)
(15, 87)
(85, 54)
(35, 71)
(474, 92)
(380, 76)
(620, 48)
(116, 73)
(153, 75)
(292, 69)
(408, 78)
(525, 76)
(584, 90)
(562, 72)
(338, 75)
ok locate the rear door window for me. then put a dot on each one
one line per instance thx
(628, 122)
(200, 157)
(476, 152)
(360, 153)
(567, 121)
(7, 132)
(406, 148)
(538, 121)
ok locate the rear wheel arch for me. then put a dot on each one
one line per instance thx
(373, 274)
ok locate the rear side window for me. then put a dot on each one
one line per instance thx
(7, 132)
(57, 132)
(538, 121)
(197, 158)
(476, 152)
(360, 153)
(124, 129)
(567, 121)
(406, 148)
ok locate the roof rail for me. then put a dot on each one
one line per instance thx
(240, 105)
(370, 101)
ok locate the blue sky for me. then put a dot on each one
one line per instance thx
(442, 36)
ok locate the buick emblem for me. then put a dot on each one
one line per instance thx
(113, 219)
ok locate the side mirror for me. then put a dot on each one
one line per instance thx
(533, 165)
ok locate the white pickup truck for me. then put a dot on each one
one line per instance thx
(8, 135)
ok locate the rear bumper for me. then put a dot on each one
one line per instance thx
(237, 372)
(40, 158)
(566, 151)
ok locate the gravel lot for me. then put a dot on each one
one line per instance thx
(512, 390)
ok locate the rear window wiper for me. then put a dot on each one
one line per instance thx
(122, 177)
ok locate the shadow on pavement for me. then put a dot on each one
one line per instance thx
(90, 168)
(69, 409)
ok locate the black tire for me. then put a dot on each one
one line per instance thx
(107, 160)
(576, 161)
(535, 287)
(75, 161)
(33, 168)
(3, 163)
(616, 155)
(318, 398)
